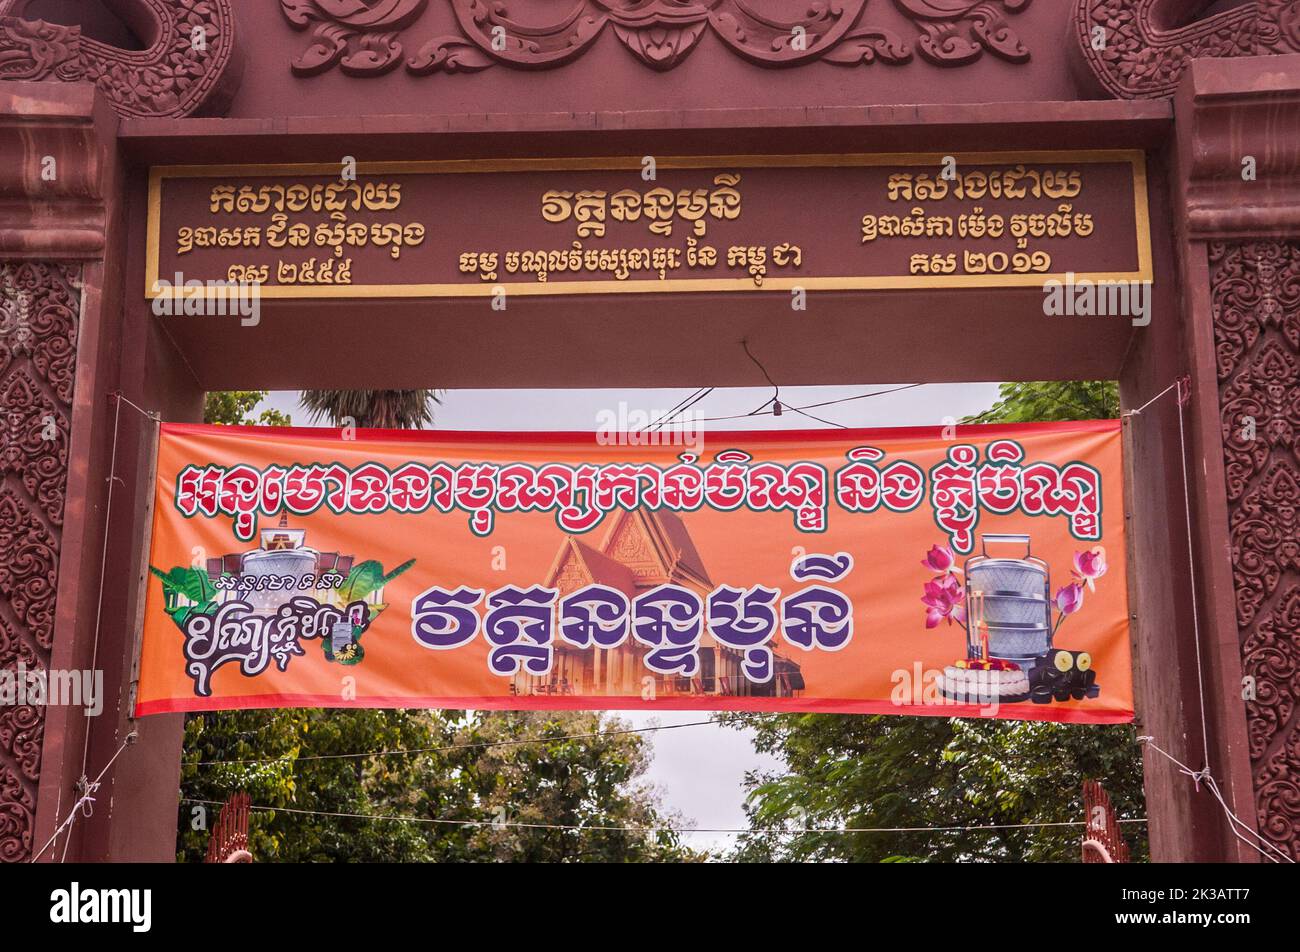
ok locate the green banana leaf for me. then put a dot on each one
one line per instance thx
(191, 582)
(368, 577)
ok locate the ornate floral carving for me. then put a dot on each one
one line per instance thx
(1265, 535)
(768, 41)
(17, 815)
(29, 563)
(1272, 649)
(956, 31)
(35, 441)
(659, 34)
(39, 304)
(1278, 29)
(1138, 49)
(33, 50)
(21, 726)
(39, 314)
(360, 37)
(1256, 305)
(363, 37)
(176, 76)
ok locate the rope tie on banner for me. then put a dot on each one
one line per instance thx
(1178, 384)
(85, 803)
(1183, 387)
(118, 399)
(1204, 776)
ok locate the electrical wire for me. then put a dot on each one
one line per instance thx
(680, 407)
(476, 746)
(84, 806)
(671, 416)
(861, 396)
(507, 824)
(1235, 822)
(813, 406)
(776, 389)
(817, 418)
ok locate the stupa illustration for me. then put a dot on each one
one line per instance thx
(640, 550)
(283, 553)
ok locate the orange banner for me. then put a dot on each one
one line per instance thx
(957, 571)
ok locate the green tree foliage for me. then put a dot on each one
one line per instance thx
(881, 771)
(508, 768)
(485, 783)
(1052, 400)
(384, 409)
(884, 771)
(234, 407)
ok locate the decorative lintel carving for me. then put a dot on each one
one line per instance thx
(33, 50)
(364, 37)
(192, 67)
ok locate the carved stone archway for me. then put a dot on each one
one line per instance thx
(64, 254)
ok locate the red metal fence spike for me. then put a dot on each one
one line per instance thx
(228, 842)
(1102, 840)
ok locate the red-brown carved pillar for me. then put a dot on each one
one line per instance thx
(52, 239)
(1239, 221)
(65, 350)
(40, 314)
(1256, 307)
(1225, 701)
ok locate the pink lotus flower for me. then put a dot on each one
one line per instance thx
(943, 599)
(1090, 566)
(1070, 598)
(939, 559)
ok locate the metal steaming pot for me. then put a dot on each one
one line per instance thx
(1017, 602)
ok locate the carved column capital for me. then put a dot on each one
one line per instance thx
(1238, 151)
(52, 170)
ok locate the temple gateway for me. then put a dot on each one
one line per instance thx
(869, 153)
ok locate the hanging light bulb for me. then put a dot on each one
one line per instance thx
(776, 407)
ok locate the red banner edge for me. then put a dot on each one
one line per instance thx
(1018, 711)
(586, 436)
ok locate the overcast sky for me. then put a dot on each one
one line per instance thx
(698, 770)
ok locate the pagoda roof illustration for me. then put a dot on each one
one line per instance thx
(641, 549)
(599, 569)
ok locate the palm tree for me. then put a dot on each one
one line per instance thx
(381, 409)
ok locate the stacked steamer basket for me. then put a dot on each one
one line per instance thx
(283, 558)
(282, 565)
(1014, 601)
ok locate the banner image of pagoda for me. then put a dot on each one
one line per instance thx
(640, 551)
(282, 555)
